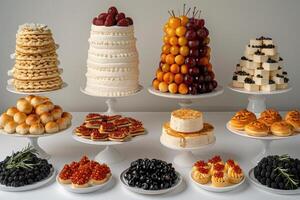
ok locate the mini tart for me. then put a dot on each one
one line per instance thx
(65, 175)
(118, 136)
(97, 136)
(100, 174)
(282, 129)
(219, 179)
(200, 164)
(257, 129)
(214, 160)
(271, 113)
(80, 178)
(217, 167)
(241, 119)
(294, 114)
(230, 164)
(201, 175)
(235, 175)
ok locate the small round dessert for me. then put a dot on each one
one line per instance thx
(219, 179)
(100, 174)
(235, 175)
(4, 119)
(186, 120)
(201, 175)
(294, 114)
(65, 175)
(282, 129)
(271, 113)
(295, 123)
(257, 128)
(241, 119)
(12, 111)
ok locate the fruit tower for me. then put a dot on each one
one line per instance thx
(185, 66)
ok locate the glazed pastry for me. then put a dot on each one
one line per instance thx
(201, 175)
(295, 123)
(219, 179)
(46, 117)
(10, 127)
(100, 174)
(29, 98)
(51, 127)
(37, 100)
(20, 117)
(32, 119)
(45, 107)
(295, 114)
(24, 106)
(257, 128)
(118, 136)
(12, 111)
(80, 179)
(36, 129)
(96, 135)
(282, 129)
(271, 113)
(65, 175)
(241, 119)
(67, 115)
(56, 113)
(217, 167)
(22, 129)
(214, 160)
(62, 123)
(4, 119)
(235, 175)
(200, 164)
(269, 120)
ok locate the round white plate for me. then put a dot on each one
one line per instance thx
(267, 189)
(211, 188)
(33, 186)
(89, 189)
(2, 132)
(140, 88)
(188, 149)
(219, 90)
(10, 87)
(270, 137)
(150, 192)
(106, 143)
(242, 90)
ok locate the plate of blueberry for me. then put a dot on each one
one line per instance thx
(24, 170)
(151, 177)
(277, 174)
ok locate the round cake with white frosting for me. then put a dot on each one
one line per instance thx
(112, 64)
(186, 120)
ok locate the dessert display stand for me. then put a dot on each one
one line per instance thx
(257, 100)
(265, 141)
(186, 158)
(109, 155)
(186, 101)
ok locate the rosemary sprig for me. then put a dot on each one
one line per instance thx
(289, 177)
(22, 159)
(284, 157)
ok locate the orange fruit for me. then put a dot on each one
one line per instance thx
(173, 40)
(166, 48)
(163, 57)
(174, 50)
(178, 78)
(163, 87)
(180, 31)
(171, 32)
(174, 22)
(183, 89)
(184, 20)
(184, 50)
(182, 41)
(179, 59)
(166, 26)
(174, 68)
(203, 61)
(170, 59)
(160, 76)
(165, 67)
(173, 88)
(184, 69)
(155, 84)
(166, 39)
(168, 77)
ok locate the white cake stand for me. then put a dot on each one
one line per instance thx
(33, 139)
(111, 101)
(186, 158)
(109, 155)
(186, 101)
(257, 100)
(266, 142)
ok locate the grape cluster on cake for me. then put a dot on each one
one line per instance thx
(185, 66)
(35, 69)
(261, 67)
(112, 64)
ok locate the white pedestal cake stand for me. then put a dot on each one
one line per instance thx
(111, 101)
(186, 158)
(266, 142)
(109, 155)
(33, 139)
(186, 100)
(257, 100)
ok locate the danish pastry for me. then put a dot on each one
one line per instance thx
(257, 128)
(282, 129)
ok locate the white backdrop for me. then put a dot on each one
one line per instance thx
(231, 24)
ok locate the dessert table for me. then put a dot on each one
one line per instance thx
(65, 149)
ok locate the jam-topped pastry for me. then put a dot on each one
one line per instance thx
(97, 136)
(201, 175)
(235, 175)
(100, 174)
(93, 116)
(230, 164)
(94, 124)
(214, 160)
(118, 136)
(107, 127)
(219, 179)
(217, 167)
(200, 164)
(80, 178)
(65, 175)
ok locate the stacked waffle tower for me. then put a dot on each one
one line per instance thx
(35, 68)
(261, 67)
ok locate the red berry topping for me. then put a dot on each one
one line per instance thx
(129, 20)
(231, 163)
(215, 159)
(98, 22)
(219, 167)
(237, 169)
(219, 174)
(110, 20)
(200, 163)
(203, 170)
(123, 22)
(113, 11)
(102, 16)
(120, 16)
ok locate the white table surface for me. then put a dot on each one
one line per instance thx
(64, 149)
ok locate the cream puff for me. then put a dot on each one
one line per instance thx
(32, 119)
(282, 129)
(46, 117)
(51, 127)
(22, 129)
(201, 175)
(257, 128)
(56, 113)
(45, 107)
(10, 127)
(24, 106)
(37, 100)
(20, 117)
(29, 98)
(4, 119)
(36, 129)
(62, 123)
(219, 179)
(235, 175)
(12, 111)
(67, 115)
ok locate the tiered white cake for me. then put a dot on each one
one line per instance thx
(112, 64)
(261, 67)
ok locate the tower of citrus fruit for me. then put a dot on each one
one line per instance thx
(184, 66)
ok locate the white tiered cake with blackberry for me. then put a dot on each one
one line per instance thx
(261, 67)
(112, 64)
